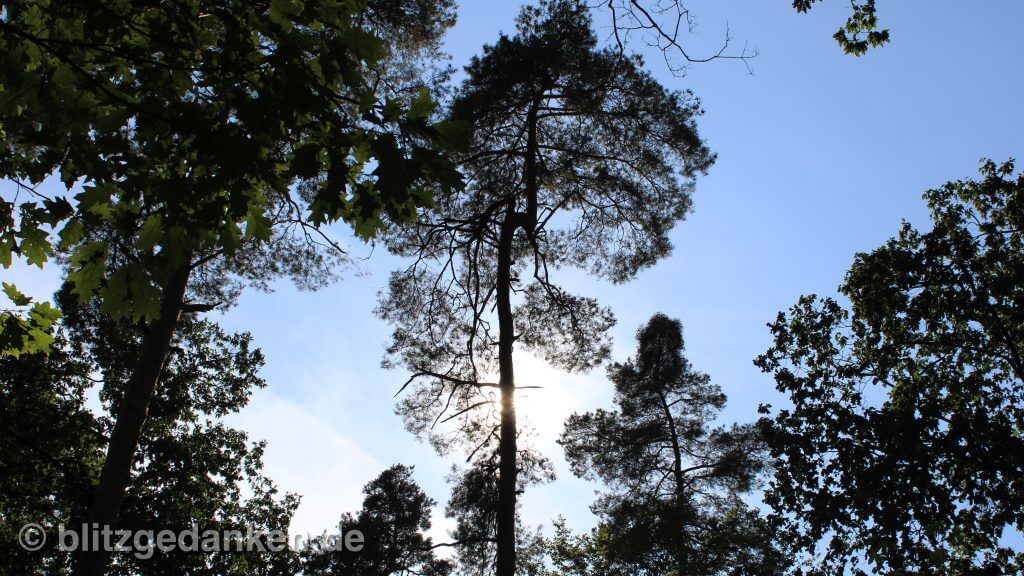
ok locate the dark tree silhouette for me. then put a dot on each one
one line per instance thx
(578, 158)
(675, 479)
(395, 515)
(902, 449)
(50, 446)
(189, 467)
(214, 278)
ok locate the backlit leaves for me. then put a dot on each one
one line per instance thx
(181, 116)
(27, 328)
(861, 31)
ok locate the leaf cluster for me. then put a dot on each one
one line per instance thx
(861, 31)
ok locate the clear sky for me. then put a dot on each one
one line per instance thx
(820, 155)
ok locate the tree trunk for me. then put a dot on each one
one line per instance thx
(507, 450)
(131, 417)
(682, 547)
(508, 465)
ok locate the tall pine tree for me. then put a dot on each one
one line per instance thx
(578, 158)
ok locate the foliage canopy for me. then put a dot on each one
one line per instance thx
(179, 120)
(903, 447)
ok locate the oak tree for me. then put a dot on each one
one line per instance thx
(187, 126)
(902, 450)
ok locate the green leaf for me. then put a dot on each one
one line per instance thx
(57, 210)
(367, 227)
(282, 12)
(96, 200)
(29, 335)
(112, 118)
(230, 238)
(44, 314)
(363, 152)
(12, 335)
(88, 264)
(151, 232)
(114, 295)
(7, 248)
(35, 245)
(391, 111)
(421, 106)
(64, 77)
(15, 295)
(144, 294)
(306, 160)
(71, 234)
(453, 135)
(37, 340)
(257, 226)
(367, 46)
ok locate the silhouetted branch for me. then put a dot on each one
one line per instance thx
(662, 24)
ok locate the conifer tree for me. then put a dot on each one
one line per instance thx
(675, 480)
(392, 522)
(578, 158)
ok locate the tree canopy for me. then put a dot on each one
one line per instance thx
(902, 449)
(178, 120)
(193, 129)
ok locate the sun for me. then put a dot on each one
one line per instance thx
(545, 409)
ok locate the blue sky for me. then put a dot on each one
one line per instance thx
(820, 155)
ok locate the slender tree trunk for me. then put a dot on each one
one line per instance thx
(507, 450)
(131, 417)
(508, 465)
(682, 548)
